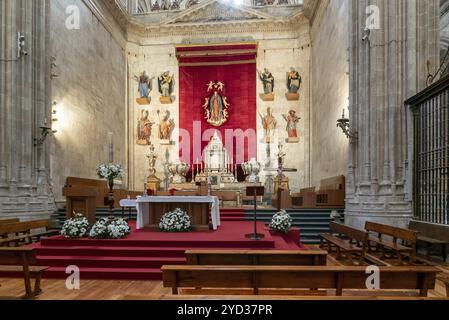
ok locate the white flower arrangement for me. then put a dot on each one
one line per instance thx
(281, 222)
(76, 227)
(109, 171)
(175, 221)
(110, 228)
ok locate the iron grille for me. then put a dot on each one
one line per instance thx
(431, 154)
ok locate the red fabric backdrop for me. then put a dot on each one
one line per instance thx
(240, 90)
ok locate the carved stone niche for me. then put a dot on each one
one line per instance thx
(267, 97)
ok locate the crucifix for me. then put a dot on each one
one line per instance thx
(280, 170)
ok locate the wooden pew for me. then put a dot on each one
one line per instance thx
(296, 277)
(6, 221)
(257, 257)
(356, 241)
(22, 260)
(331, 193)
(382, 230)
(432, 235)
(306, 198)
(22, 232)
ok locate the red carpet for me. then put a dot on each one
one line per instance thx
(232, 214)
(140, 256)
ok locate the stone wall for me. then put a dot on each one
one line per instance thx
(90, 92)
(277, 51)
(330, 89)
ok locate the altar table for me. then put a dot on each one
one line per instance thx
(149, 208)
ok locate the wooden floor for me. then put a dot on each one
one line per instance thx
(153, 290)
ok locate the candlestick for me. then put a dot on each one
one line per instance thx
(111, 147)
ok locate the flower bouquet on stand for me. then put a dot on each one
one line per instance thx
(110, 228)
(175, 221)
(110, 172)
(281, 222)
(76, 227)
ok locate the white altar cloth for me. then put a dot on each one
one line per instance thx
(142, 205)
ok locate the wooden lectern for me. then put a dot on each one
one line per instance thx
(255, 192)
(81, 200)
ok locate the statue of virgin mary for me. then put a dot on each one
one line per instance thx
(216, 105)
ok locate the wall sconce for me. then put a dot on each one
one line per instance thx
(343, 124)
(47, 130)
(21, 45)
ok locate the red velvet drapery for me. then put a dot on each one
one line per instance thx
(238, 73)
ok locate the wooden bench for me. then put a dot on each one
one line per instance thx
(21, 232)
(6, 221)
(257, 257)
(432, 235)
(22, 260)
(296, 277)
(348, 240)
(331, 193)
(386, 245)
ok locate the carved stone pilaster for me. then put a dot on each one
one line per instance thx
(24, 104)
(385, 70)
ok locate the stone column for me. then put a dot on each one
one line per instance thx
(385, 70)
(24, 104)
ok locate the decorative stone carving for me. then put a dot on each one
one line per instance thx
(216, 11)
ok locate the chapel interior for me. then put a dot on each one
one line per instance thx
(281, 148)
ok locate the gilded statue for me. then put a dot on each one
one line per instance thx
(292, 121)
(166, 86)
(269, 124)
(166, 127)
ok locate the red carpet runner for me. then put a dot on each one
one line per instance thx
(140, 256)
